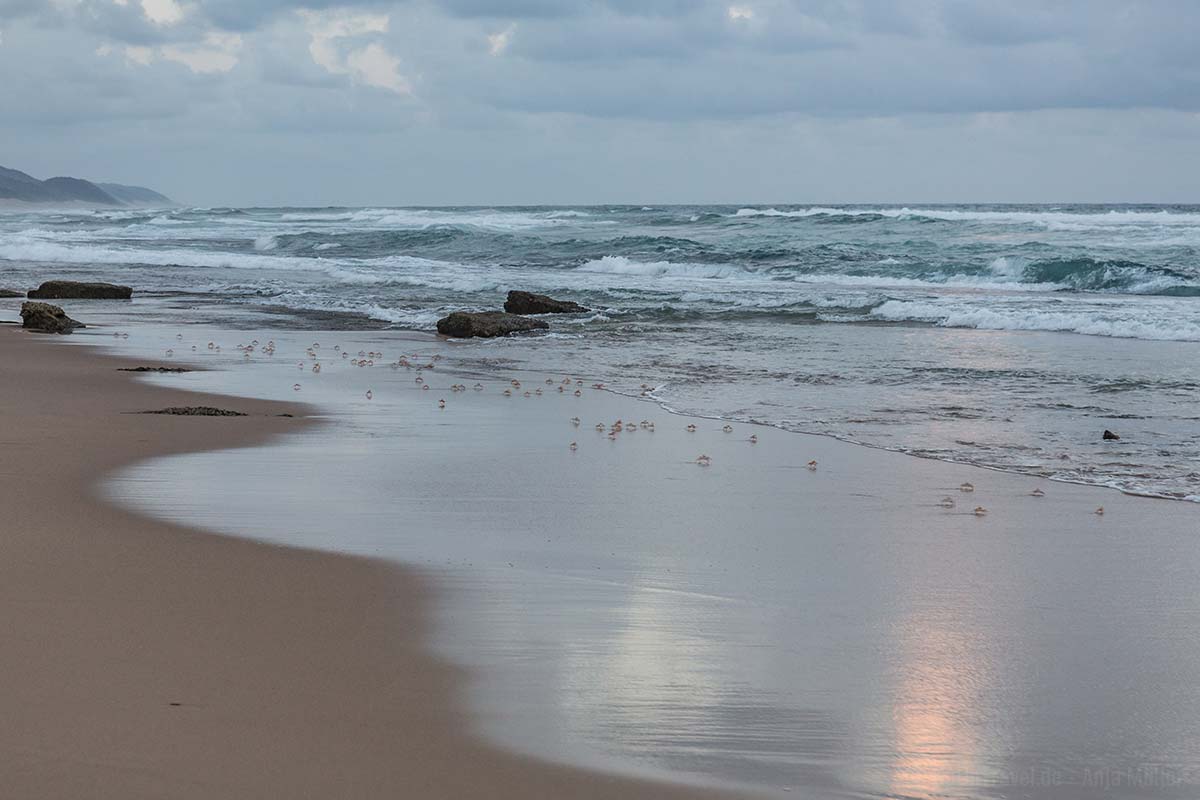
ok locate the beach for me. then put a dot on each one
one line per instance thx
(534, 619)
(599, 400)
(146, 659)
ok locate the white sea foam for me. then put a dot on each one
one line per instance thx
(620, 265)
(421, 218)
(786, 298)
(31, 249)
(1047, 218)
(994, 281)
(975, 283)
(1008, 266)
(1116, 321)
(402, 317)
(567, 214)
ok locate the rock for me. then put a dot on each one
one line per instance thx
(527, 303)
(73, 290)
(11, 293)
(46, 318)
(197, 411)
(463, 324)
(1110, 436)
(153, 369)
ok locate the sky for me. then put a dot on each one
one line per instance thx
(321, 102)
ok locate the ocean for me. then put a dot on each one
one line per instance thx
(1006, 336)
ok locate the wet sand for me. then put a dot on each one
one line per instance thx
(147, 659)
(834, 631)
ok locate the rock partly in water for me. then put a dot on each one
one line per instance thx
(1110, 436)
(46, 318)
(6, 293)
(487, 324)
(153, 369)
(73, 290)
(197, 411)
(528, 303)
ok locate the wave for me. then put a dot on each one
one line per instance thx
(372, 242)
(1109, 217)
(16, 249)
(1089, 274)
(1114, 322)
(420, 218)
(621, 265)
(770, 278)
(568, 214)
(401, 317)
(1005, 274)
(844, 301)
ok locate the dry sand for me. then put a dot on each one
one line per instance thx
(144, 659)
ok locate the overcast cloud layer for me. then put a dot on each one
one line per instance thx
(588, 101)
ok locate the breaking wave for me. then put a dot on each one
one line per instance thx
(1112, 322)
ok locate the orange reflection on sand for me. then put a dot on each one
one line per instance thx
(935, 743)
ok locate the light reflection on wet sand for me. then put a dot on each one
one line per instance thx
(935, 743)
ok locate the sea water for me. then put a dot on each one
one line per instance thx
(1004, 336)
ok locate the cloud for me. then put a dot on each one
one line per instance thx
(327, 30)
(138, 55)
(374, 66)
(499, 42)
(249, 15)
(218, 53)
(592, 72)
(215, 52)
(332, 36)
(160, 12)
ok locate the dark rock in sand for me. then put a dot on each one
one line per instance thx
(152, 369)
(73, 290)
(488, 324)
(197, 411)
(45, 318)
(1109, 435)
(11, 293)
(528, 303)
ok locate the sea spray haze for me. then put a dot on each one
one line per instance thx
(1008, 336)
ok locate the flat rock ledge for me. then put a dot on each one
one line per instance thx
(7, 293)
(486, 324)
(197, 411)
(74, 290)
(47, 318)
(153, 369)
(529, 303)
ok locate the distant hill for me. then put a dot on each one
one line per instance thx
(16, 185)
(136, 195)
